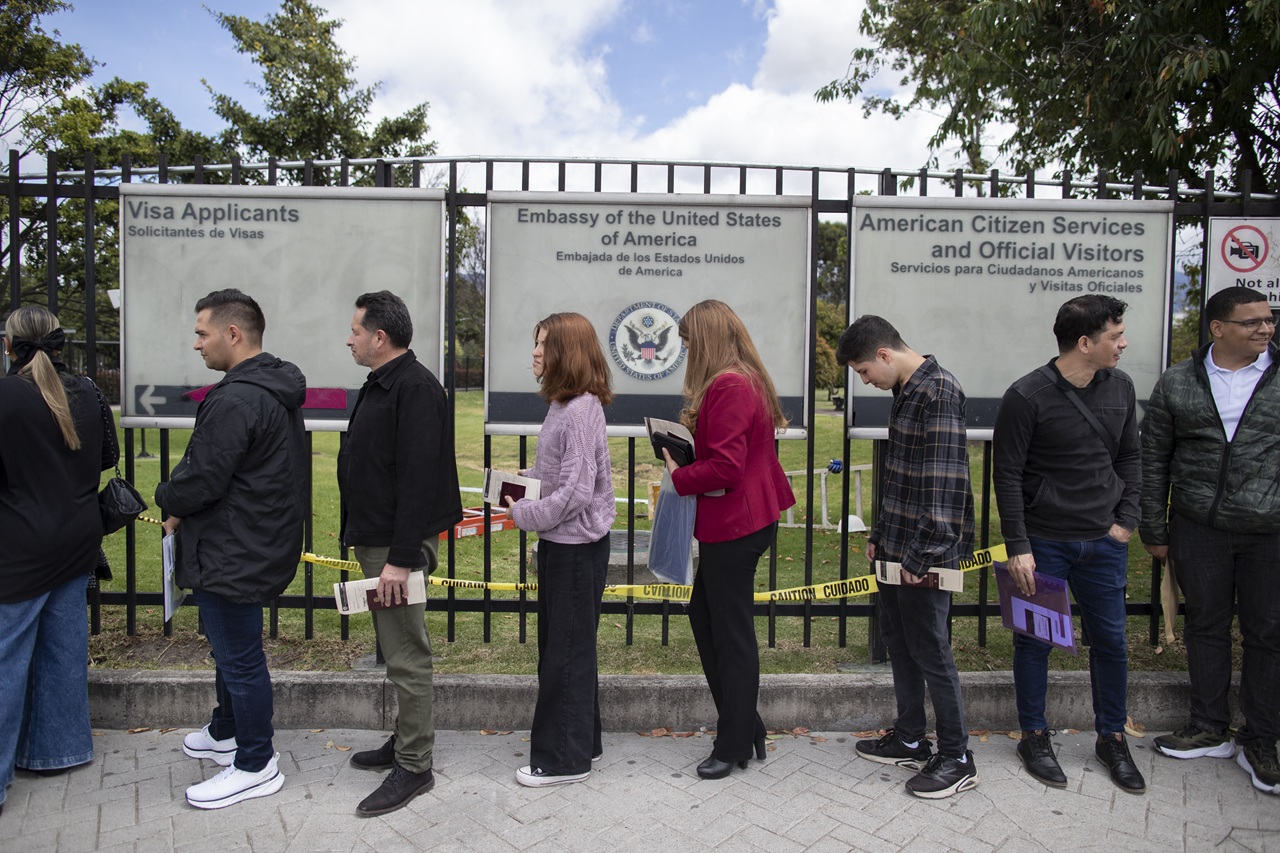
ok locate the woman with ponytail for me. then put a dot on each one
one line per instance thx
(53, 446)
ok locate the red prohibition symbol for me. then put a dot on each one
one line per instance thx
(1244, 248)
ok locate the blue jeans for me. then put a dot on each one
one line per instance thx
(913, 623)
(241, 679)
(44, 682)
(1097, 572)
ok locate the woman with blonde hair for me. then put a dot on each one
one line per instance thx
(572, 518)
(54, 446)
(732, 409)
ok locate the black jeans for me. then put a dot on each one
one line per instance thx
(566, 721)
(913, 623)
(1219, 571)
(721, 615)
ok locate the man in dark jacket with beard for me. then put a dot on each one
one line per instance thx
(1211, 501)
(236, 502)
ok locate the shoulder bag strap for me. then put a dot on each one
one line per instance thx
(1089, 416)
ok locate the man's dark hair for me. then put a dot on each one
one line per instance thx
(1223, 303)
(867, 334)
(386, 311)
(233, 307)
(1086, 316)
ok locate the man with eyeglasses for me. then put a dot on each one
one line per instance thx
(1211, 502)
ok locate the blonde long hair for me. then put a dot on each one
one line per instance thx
(32, 322)
(719, 343)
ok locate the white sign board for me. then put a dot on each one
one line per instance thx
(978, 283)
(1245, 252)
(303, 253)
(633, 264)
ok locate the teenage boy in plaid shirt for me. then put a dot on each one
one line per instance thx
(925, 521)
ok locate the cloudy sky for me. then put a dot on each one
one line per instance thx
(655, 79)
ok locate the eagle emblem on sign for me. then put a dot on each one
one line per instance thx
(644, 341)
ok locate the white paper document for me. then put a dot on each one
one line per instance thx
(951, 580)
(498, 485)
(362, 596)
(173, 595)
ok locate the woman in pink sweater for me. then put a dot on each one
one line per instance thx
(572, 519)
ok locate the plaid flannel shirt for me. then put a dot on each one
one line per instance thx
(926, 512)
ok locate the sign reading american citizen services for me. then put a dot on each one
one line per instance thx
(978, 283)
(304, 253)
(1246, 253)
(633, 264)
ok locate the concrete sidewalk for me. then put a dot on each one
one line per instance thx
(811, 793)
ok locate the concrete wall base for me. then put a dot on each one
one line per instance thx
(859, 701)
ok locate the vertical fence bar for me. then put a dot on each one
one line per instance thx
(90, 274)
(15, 231)
(51, 229)
(811, 403)
(524, 545)
(450, 373)
(631, 536)
(984, 573)
(130, 551)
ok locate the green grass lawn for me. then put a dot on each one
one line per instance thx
(468, 652)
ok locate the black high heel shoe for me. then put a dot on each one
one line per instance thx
(760, 744)
(714, 768)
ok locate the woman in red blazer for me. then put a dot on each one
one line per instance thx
(732, 410)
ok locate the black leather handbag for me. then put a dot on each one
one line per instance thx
(119, 502)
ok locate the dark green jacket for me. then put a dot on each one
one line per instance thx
(1188, 464)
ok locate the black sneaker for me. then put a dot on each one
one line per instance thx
(1036, 752)
(944, 776)
(396, 791)
(381, 758)
(1113, 751)
(889, 749)
(1195, 742)
(1259, 760)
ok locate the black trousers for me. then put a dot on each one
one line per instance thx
(721, 615)
(566, 721)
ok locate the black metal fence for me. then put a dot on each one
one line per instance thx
(467, 182)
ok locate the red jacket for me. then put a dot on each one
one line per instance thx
(734, 448)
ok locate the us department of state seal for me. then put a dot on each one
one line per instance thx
(644, 341)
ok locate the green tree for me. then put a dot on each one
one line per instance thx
(1119, 85)
(314, 107)
(832, 283)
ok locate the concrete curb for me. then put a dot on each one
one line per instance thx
(126, 699)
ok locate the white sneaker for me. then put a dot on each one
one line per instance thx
(201, 745)
(536, 777)
(233, 785)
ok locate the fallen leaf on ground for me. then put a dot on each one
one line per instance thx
(170, 729)
(817, 739)
(493, 732)
(686, 734)
(139, 730)
(799, 730)
(773, 737)
(1014, 735)
(660, 732)
(316, 731)
(1134, 729)
(867, 734)
(329, 745)
(343, 748)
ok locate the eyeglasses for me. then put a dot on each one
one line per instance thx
(1254, 323)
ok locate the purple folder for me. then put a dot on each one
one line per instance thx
(1045, 616)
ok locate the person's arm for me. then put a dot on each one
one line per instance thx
(420, 421)
(1015, 427)
(1128, 466)
(217, 447)
(1157, 455)
(944, 484)
(724, 421)
(574, 490)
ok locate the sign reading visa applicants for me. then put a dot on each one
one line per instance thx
(303, 253)
(977, 282)
(1246, 253)
(633, 263)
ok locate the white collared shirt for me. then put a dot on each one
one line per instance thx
(1233, 388)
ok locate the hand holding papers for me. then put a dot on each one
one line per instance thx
(951, 580)
(499, 485)
(362, 596)
(173, 596)
(672, 437)
(1045, 615)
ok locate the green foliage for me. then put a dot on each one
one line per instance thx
(314, 108)
(832, 282)
(1120, 85)
(35, 70)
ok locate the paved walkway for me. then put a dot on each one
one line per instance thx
(810, 794)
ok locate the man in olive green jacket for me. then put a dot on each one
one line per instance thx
(1211, 502)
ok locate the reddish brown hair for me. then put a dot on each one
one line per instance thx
(572, 360)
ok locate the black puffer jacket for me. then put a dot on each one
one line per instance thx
(1188, 463)
(241, 487)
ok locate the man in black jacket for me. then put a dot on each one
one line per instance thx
(236, 503)
(1067, 473)
(399, 484)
